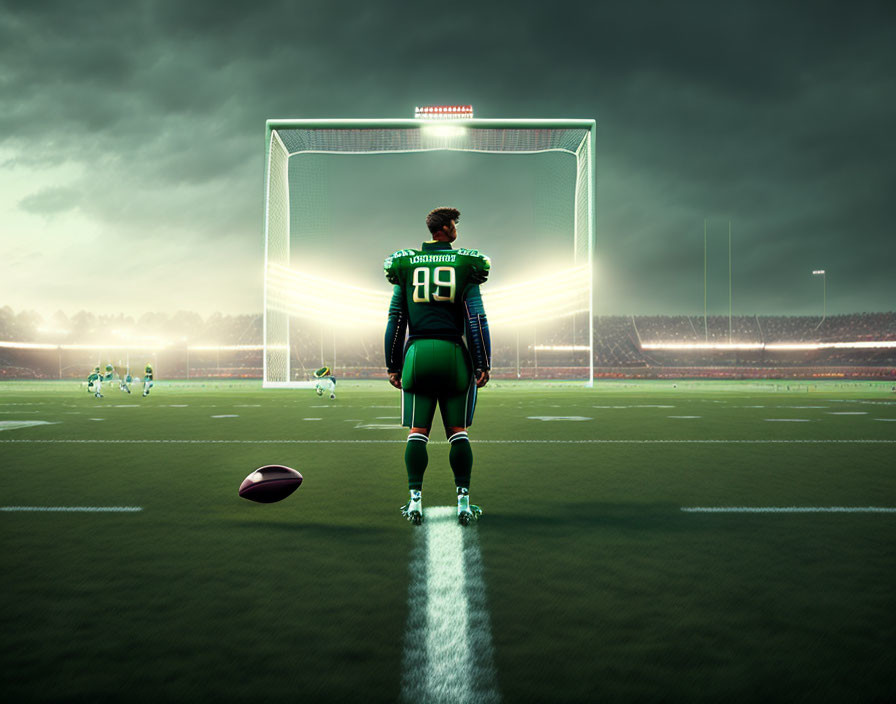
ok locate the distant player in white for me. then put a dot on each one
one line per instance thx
(95, 383)
(326, 382)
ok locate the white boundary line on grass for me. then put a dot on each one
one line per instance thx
(473, 440)
(788, 509)
(74, 509)
(448, 648)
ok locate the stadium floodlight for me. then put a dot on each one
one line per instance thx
(773, 346)
(289, 293)
(824, 294)
(444, 112)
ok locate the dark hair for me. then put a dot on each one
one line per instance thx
(440, 217)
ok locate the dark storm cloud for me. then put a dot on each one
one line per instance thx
(778, 116)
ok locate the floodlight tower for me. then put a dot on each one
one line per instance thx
(824, 294)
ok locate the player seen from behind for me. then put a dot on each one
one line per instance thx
(436, 299)
(326, 382)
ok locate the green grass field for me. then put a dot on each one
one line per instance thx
(599, 587)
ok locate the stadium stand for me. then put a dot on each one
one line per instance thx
(230, 347)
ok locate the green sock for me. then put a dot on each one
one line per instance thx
(416, 459)
(460, 457)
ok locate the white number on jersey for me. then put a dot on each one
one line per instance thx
(443, 286)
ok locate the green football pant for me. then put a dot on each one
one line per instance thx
(437, 372)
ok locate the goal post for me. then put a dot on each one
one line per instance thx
(292, 295)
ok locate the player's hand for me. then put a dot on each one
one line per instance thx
(482, 379)
(395, 379)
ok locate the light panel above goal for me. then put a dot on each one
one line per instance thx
(444, 112)
(287, 140)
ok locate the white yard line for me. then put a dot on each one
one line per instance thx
(448, 650)
(73, 509)
(788, 509)
(473, 440)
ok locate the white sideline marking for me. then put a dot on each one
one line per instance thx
(474, 441)
(448, 649)
(789, 509)
(226, 415)
(684, 416)
(18, 424)
(847, 413)
(886, 419)
(312, 418)
(552, 418)
(74, 509)
(786, 420)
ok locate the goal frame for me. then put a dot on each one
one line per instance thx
(589, 126)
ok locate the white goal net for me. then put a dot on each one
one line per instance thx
(340, 195)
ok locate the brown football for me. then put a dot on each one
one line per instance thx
(270, 483)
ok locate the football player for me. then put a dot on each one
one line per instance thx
(147, 379)
(95, 382)
(125, 382)
(436, 297)
(326, 382)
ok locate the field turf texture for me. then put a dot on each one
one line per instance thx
(600, 588)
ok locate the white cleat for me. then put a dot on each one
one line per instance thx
(413, 509)
(466, 512)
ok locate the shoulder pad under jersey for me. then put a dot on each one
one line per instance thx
(390, 268)
(481, 264)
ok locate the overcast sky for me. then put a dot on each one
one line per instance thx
(131, 138)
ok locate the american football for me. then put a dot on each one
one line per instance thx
(271, 483)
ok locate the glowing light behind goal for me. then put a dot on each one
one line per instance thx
(313, 297)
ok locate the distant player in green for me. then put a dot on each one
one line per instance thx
(95, 383)
(125, 382)
(147, 379)
(326, 382)
(436, 298)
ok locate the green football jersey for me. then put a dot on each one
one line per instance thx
(432, 282)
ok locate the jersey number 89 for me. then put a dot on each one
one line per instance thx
(443, 281)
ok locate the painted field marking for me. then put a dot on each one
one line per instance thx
(789, 509)
(787, 420)
(226, 415)
(847, 413)
(448, 653)
(683, 416)
(73, 509)
(19, 424)
(402, 441)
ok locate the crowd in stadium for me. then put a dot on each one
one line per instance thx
(172, 342)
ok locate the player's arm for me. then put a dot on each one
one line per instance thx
(396, 327)
(478, 336)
